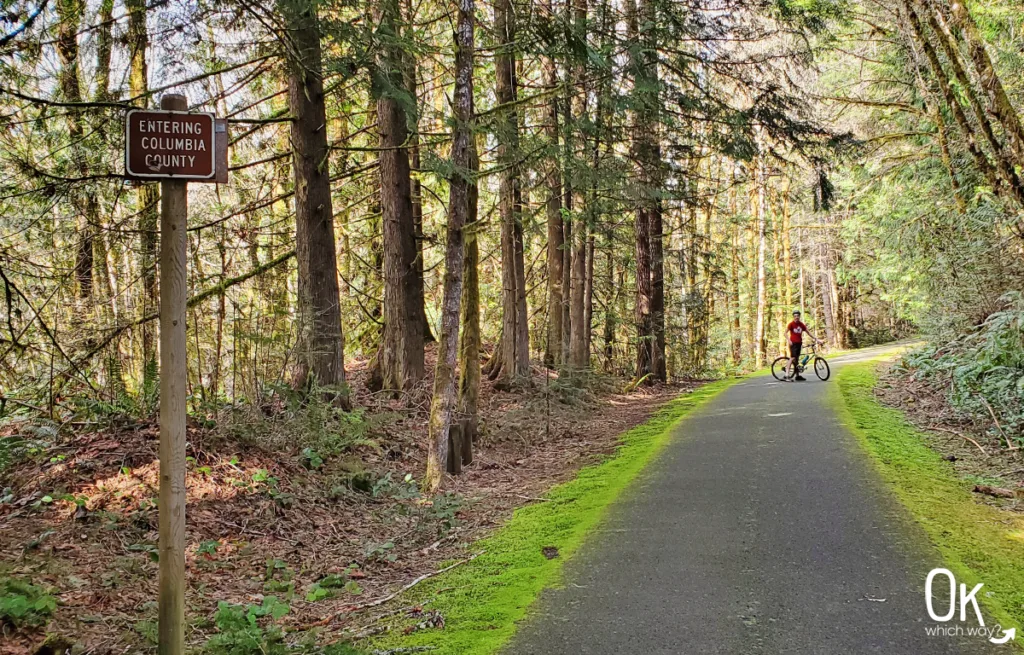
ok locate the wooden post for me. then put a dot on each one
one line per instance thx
(173, 214)
(455, 448)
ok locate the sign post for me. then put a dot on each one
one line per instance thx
(173, 252)
(173, 145)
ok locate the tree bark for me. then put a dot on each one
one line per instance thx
(644, 154)
(1000, 106)
(658, 364)
(443, 404)
(553, 354)
(470, 340)
(578, 355)
(735, 330)
(412, 84)
(515, 353)
(610, 316)
(1003, 159)
(762, 287)
(400, 357)
(980, 160)
(319, 347)
(69, 17)
(148, 195)
(588, 301)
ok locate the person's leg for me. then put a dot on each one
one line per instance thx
(794, 357)
(795, 350)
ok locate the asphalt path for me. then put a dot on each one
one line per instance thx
(762, 528)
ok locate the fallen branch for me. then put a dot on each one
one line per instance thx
(425, 576)
(380, 601)
(998, 492)
(962, 436)
(1009, 444)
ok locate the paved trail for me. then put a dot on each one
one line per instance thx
(761, 529)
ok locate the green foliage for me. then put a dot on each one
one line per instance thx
(979, 543)
(23, 604)
(812, 15)
(329, 585)
(381, 552)
(982, 372)
(386, 487)
(149, 395)
(249, 630)
(32, 440)
(208, 548)
(444, 508)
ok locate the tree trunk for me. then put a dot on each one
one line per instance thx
(947, 158)
(443, 404)
(401, 351)
(980, 160)
(69, 16)
(1000, 104)
(787, 257)
(658, 365)
(762, 238)
(734, 301)
(148, 198)
(825, 288)
(588, 301)
(553, 354)
(470, 341)
(578, 355)
(779, 298)
(515, 354)
(610, 317)
(1003, 159)
(644, 154)
(319, 346)
(412, 84)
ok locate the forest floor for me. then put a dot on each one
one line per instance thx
(978, 453)
(317, 509)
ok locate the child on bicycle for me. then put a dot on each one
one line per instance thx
(795, 334)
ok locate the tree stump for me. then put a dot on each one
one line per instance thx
(468, 432)
(455, 449)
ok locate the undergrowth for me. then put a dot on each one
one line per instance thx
(482, 600)
(255, 630)
(981, 373)
(307, 422)
(979, 543)
(24, 605)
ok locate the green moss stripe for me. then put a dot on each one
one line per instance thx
(482, 600)
(978, 542)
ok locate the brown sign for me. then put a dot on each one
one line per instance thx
(170, 144)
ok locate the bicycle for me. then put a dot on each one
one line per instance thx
(820, 366)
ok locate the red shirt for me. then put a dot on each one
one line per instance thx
(796, 331)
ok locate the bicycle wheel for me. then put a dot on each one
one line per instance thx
(821, 368)
(779, 368)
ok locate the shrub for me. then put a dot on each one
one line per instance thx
(23, 604)
(249, 630)
(982, 372)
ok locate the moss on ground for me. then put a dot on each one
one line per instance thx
(979, 543)
(482, 600)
